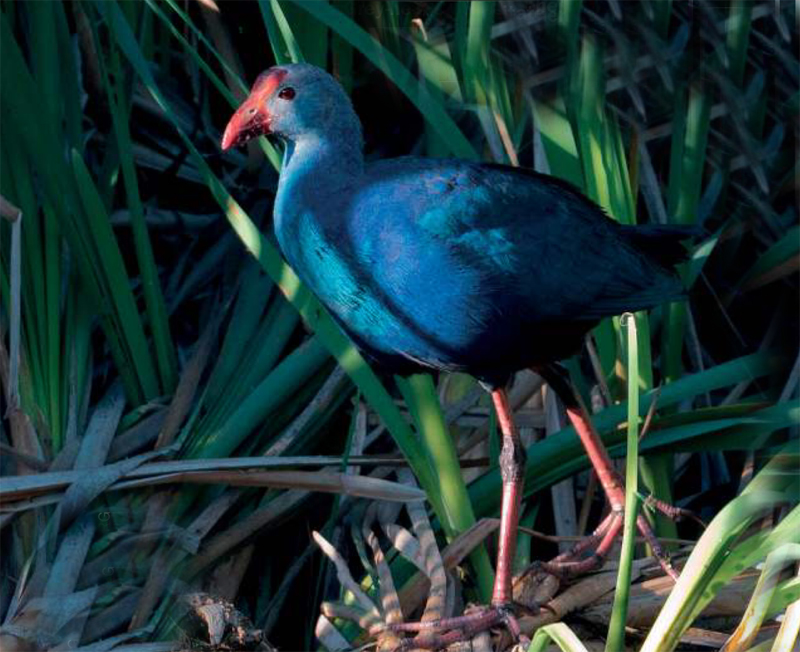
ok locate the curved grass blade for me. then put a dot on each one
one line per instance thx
(756, 611)
(558, 633)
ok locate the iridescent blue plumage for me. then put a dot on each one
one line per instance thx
(449, 264)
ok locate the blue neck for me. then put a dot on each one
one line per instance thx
(315, 167)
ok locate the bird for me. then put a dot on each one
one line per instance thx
(452, 265)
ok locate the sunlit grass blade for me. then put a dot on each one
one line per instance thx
(747, 629)
(790, 628)
(476, 54)
(276, 42)
(437, 71)
(274, 18)
(312, 35)
(710, 565)
(569, 16)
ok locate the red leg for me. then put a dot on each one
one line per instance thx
(609, 479)
(512, 469)
(598, 456)
(437, 634)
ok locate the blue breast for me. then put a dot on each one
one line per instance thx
(397, 291)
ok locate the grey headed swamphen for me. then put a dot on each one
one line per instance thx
(452, 265)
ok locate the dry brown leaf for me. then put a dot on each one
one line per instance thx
(18, 488)
(648, 597)
(189, 380)
(324, 481)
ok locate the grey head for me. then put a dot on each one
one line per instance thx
(295, 101)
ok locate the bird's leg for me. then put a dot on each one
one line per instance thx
(609, 479)
(437, 634)
(512, 471)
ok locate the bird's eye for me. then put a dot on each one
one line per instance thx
(286, 93)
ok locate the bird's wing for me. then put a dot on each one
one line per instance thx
(537, 244)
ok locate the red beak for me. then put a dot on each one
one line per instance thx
(251, 118)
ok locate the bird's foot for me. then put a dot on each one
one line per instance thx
(590, 553)
(439, 634)
(575, 561)
(672, 512)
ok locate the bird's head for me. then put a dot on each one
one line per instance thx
(291, 101)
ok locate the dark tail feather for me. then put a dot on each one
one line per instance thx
(664, 244)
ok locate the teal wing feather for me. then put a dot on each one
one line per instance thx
(541, 248)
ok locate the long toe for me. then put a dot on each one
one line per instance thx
(439, 634)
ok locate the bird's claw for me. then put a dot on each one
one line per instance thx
(439, 634)
(576, 561)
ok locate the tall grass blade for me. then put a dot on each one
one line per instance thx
(166, 358)
(737, 37)
(476, 56)
(113, 267)
(619, 614)
(278, 18)
(14, 215)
